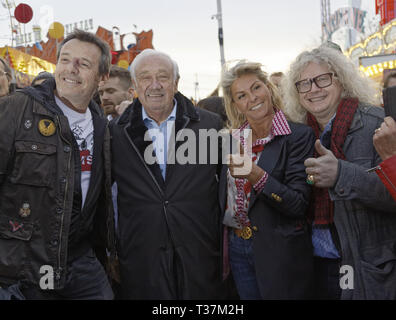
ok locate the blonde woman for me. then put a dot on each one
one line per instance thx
(353, 215)
(267, 238)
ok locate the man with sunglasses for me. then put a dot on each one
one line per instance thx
(353, 215)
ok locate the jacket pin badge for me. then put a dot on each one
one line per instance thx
(47, 127)
(16, 226)
(28, 124)
(25, 211)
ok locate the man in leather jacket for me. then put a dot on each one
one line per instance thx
(54, 177)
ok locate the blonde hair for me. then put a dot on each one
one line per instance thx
(353, 82)
(229, 75)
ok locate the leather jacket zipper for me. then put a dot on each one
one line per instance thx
(59, 269)
(384, 174)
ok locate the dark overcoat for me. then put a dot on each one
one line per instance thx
(169, 239)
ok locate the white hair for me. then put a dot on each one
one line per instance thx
(149, 53)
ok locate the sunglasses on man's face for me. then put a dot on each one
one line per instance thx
(321, 81)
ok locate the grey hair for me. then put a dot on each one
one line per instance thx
(151, 52)
(105, 57)
(229, 75)
(353, 82)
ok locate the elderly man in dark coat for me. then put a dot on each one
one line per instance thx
(169, 223)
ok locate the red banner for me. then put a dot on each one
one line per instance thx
(386, 8)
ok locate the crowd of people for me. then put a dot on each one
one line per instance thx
(108, 189)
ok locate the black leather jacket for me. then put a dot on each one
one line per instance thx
(37, 179)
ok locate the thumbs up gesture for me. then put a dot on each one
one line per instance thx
(324, 169)
(242, 167)
(240, 164)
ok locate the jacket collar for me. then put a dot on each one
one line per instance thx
(98, 157)
(44, 95)
(185, 108)
(356, 124)
(135, 129)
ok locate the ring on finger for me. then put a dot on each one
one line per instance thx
(310, 179)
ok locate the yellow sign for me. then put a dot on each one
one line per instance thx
(123, 64)
(56, 30)
(47, 127)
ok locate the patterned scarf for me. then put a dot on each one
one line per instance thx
(321, 210)
(256, 150)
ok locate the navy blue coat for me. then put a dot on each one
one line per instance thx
(282, 243)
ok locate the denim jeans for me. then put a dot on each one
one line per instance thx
(242, 267)
(85, 280)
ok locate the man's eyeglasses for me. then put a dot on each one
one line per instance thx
(321, 81)
(3, 73)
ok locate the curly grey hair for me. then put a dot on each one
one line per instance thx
(354, 83)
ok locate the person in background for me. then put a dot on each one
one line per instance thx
(276, 78)
(116, 93)
(41, 77)
(384, 141)
(214, 104)
(390, 80)
(353, 220)
(5, 78)
(269, 247)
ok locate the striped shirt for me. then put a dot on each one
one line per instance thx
(238, 195)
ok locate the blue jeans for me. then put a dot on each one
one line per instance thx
(242, 267)
(85, 280)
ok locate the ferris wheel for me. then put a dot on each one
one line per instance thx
(14, 26)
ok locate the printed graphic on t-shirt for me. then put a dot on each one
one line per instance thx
(81, 125)
(85, 152)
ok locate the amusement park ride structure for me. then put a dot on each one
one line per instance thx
(29, 55)
(325, 11)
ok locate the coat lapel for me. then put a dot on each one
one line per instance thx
(136, 131)
(99, 125)
(184, 114)
(356, 124)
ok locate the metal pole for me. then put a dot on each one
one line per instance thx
(325, 11)
(196, 84)
(12, 24)
(221, 35)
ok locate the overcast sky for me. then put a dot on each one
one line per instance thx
(270, 32)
